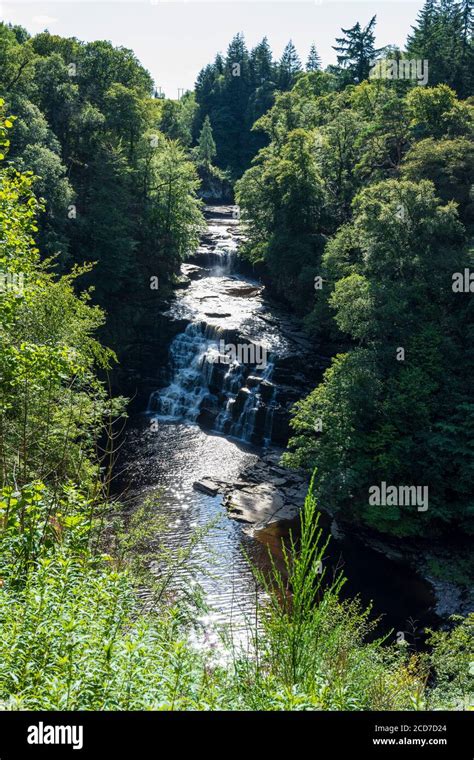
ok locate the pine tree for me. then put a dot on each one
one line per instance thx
(314, 61)
(261, 63)
(467, 47)
(207, 146)
(424, 29)
(237, 60)
(289, 66)
(219, 64)
(356, 50)
(443, 36)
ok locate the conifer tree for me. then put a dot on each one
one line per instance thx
(442, 35)
(356, 50)
(207, 146)
(289, 66)
(261, 63)
(314, 61)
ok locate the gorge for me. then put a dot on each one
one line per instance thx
(223, 426)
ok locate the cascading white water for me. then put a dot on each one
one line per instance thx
(194, 356)
(234, 397)
(243, 427)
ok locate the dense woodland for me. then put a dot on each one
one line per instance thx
(356, 195)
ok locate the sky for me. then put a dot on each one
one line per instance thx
(174, 39)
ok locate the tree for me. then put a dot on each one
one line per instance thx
(435, 111)
(83, 113)
(176, 118)
(356, 50)
(261, 63)
(449, 164)
(207, 146)
(51, 403)
(314, 61)
(289, 66)
(443, 36)
(282, 198)
(385, 419)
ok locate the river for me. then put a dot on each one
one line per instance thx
(212, 419)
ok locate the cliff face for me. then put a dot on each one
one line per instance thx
(215, 187)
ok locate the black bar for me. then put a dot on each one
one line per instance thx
(154, 734)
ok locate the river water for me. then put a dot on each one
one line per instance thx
(210, 420)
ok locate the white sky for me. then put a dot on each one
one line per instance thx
(174, 39)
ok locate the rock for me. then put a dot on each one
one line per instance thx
(267, 319)
(220, 210)
(206, 486)
(240, 401)
(243, 291)
(267, 389)
(448, 597)
(260, 505)
(273, 458)
(192, 271)
(338, 534)
(276, 481)
(182, 281)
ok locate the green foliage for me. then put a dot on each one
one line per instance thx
(234, 92)
(53, 408)
(449, 164)
(436, 112)
(376, 217)
(356, 50)
(281, 198)
(312, 652)
(177, 118)
(71, 640)
(314, 61)
(74, 636)
(443, 36)
(85, 115)
(207, 146)
(392, 269)
(451, 663)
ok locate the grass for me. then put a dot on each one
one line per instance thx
(75, 634)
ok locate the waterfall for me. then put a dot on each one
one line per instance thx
(192, 355)
(233, 395)
(239, 398)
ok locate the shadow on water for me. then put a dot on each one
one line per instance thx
(400, 599)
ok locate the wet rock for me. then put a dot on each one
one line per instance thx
(267, 390)
(451, 599)
(243, 291)
(280, 426)
(220, 210)
(182, 281)
(192, 271)
(269, 320)
(240, 401)
(207, 486)
(262, 504)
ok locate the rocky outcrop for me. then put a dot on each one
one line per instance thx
(266, 494)
(214, 189)
(206, 486)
